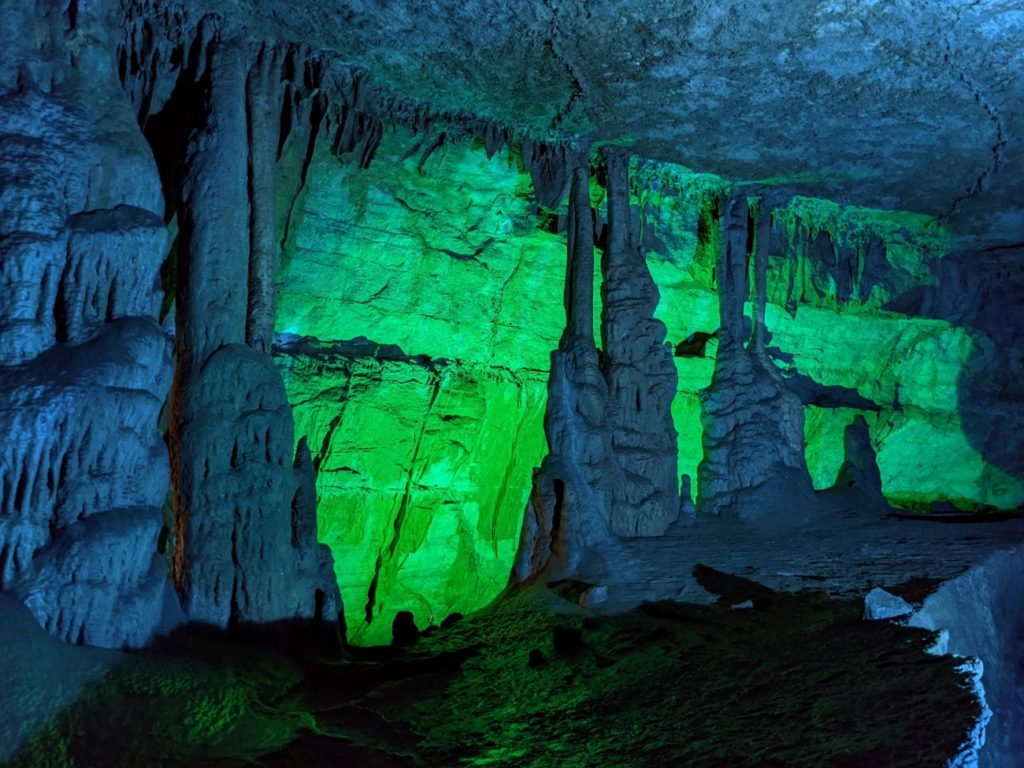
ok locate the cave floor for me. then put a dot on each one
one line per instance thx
(844, 551)
(794, 680)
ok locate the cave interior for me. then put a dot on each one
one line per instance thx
(563, 383)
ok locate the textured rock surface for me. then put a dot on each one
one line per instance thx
(423, 471)
(853, 101)
(245, 549)
(754, 465)
(445, 256)
(981, 612)
(879, 605)
(859, 314)
(573, 495)
(637, 364)
(247, 542)
(84, 478)
(85, 368)
(397, 230)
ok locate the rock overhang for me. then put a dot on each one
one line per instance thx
(908, 105)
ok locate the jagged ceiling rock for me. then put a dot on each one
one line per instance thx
(908, 104)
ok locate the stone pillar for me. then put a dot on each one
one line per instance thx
(569, 507)
(237, 558)
(753, 426)
(264, 94)
(640, 371)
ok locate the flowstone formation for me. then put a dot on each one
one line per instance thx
(84, 367)
(637, 363)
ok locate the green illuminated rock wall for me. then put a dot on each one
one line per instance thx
(423, 470)
(425, 447)
(424, 464)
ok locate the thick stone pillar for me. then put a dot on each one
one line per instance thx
(640, 372)
(241, 507)
(753, 426)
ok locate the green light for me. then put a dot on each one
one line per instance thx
(425, 465)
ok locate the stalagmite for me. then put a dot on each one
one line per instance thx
(753, 435)
(570, 504)
(236, 560)
(641, 374)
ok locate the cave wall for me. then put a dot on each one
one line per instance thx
(419, 262)
(447, 255)
(84, 366)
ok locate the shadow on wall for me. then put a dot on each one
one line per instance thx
(983, 292)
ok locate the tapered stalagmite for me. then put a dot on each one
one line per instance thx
(571, 499)
(641, 374)
(239, 502)
(753, 436)
(264, 94)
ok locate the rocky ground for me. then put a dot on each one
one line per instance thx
(792, 680)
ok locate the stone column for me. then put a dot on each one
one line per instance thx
(264, 94)
(569, 507)
(237, 559)
(640, 371)
(753, 426)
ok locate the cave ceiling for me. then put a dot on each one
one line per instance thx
(913, 104)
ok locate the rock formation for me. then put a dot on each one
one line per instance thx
(612, 465)
(85, 369)
(572, 499)
(245, 549)
(982, 617)
(84, 538)
(304, 198)
(754, 464)
(641, 376)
